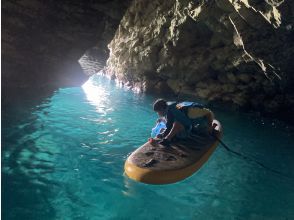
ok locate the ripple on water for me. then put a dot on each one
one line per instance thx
(65, 161)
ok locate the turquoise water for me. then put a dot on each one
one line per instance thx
(63, 159)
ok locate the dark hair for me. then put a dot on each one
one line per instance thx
(159, 105)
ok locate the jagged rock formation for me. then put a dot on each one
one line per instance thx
(42, 40)
(237, 51)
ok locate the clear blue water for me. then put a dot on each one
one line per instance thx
(63, 159)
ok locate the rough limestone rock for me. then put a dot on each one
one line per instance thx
(42, 40)
(236, 51)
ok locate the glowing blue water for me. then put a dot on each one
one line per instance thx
(65, 159)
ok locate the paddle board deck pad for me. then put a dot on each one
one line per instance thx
(154, 163)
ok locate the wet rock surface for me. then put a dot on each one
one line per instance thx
(228, 51)
(236, 52)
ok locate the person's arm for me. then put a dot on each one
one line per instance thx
(166, 132)
(176, 128)
(177, 121)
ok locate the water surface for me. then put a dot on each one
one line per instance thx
(63, 159)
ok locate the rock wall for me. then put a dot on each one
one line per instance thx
(42, 40)
(235, 51)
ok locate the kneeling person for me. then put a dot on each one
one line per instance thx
(184, 119)
(178, 123)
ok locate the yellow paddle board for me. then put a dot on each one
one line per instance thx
(153, 163)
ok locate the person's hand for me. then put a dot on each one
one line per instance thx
(165, 142)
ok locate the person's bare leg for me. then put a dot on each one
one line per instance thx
(177, 127)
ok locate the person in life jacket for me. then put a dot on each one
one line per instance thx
(182, 119)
